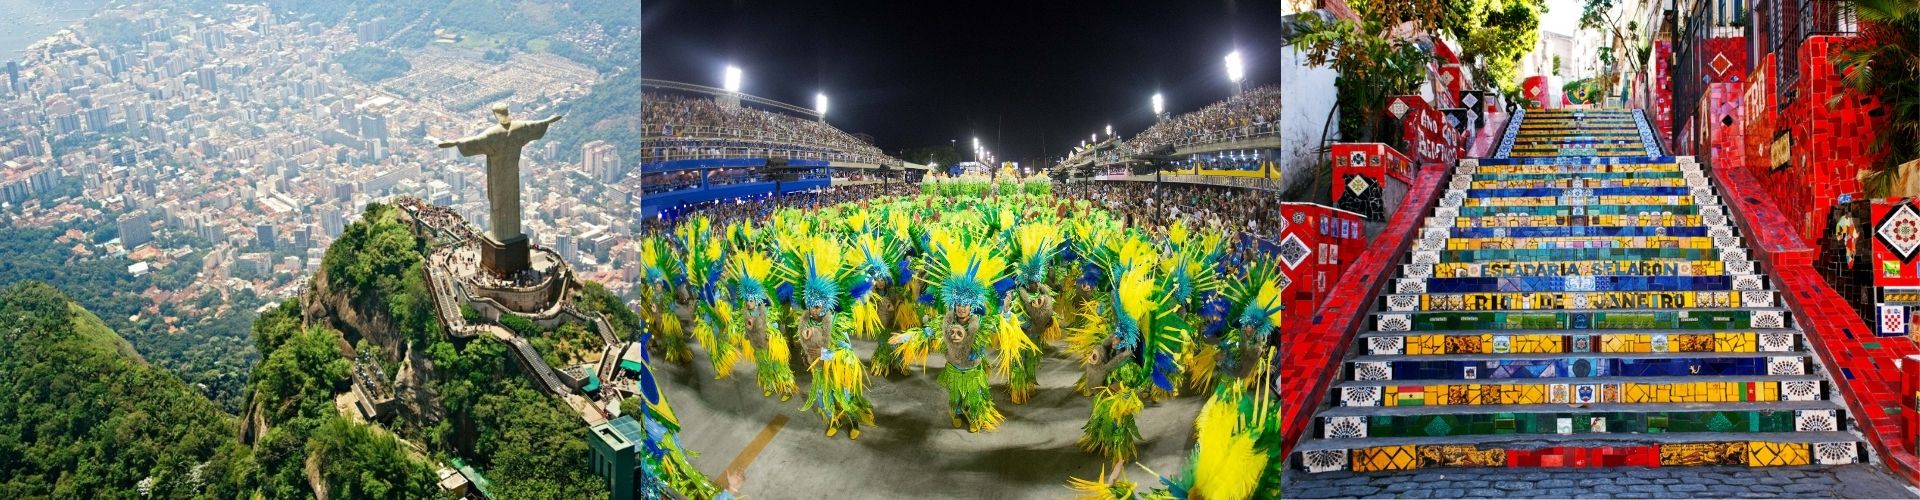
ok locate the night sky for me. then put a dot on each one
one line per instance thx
(922, 72)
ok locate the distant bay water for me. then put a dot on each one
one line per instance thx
(28, 21)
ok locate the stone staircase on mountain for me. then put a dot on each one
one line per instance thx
(1579, 300)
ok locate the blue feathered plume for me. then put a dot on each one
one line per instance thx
(1163, 368)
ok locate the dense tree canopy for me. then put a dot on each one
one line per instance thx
(1494, 35)
(79, 417)
(376, 261)
(373, 64)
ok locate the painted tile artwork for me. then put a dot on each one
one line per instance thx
(1580, 283)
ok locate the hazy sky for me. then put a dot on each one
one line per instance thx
(1563, 16)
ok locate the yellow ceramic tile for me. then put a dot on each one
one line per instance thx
(1636, 392)
(1532, 394)
(1613, 343)
(1764, 454)
(1733, 342)
(1384, 458)
(1767, 391)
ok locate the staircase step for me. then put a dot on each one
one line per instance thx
(1497, 367)
(1571, 268)
(1622, 331)
(1528, 442)
(1587, 319)
(1590, 211)
(1579, 301)
(1551, 408)
(1559, 254)
(1434, 344)
(1581, 281)
(1664, 389)
(1663, 379)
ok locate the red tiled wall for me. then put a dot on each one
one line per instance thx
(1538, 91)
(1888, 268)
(1734, 52)
(1654, 93)
(1829, 143)
(1334, 238)
(1863, 365)
(1310, 359)
(1723, 114)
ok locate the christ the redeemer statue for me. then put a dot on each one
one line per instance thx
(507, 247)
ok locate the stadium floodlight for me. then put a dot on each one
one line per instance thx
(1109, 131)
(732, 80)
(1093, 137)
(820, 103)
(1159, 104)
(1235, 69)
(976, 143)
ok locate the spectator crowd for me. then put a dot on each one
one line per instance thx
(725, 211)
(1254, 112)
(683, 127)
(1247, 213)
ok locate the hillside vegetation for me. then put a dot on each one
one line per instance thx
(82, 415)
(79, 415)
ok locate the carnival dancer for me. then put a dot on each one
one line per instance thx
(969, 279)
(838, 390)
(746, 279)
(1037, 243)
(712, 322)
(877, 259)
(1135, 341)
(666, 469)
(663, 299)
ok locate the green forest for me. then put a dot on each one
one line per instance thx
(528, 444)
(611, 112)
(372, 64)
(79, 415)
(82, 414)
(207, 350)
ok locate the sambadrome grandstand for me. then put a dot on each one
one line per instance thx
(1234, 142)
(704, 144)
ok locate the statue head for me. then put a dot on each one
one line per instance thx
(500, 113)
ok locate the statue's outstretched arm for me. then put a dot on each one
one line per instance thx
(551, 119)
(456, 142)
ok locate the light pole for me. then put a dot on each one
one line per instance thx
(1236, 70)
(730, 80)
(1159, 106)
(820, 105)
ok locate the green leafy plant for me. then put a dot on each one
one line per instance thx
(1372, 66)
(1493, 36)
(1885, 61)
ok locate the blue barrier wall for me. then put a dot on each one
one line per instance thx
(652, 204)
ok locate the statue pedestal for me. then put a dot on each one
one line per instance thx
(504, 259)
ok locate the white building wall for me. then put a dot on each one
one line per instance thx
(1307, 118)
